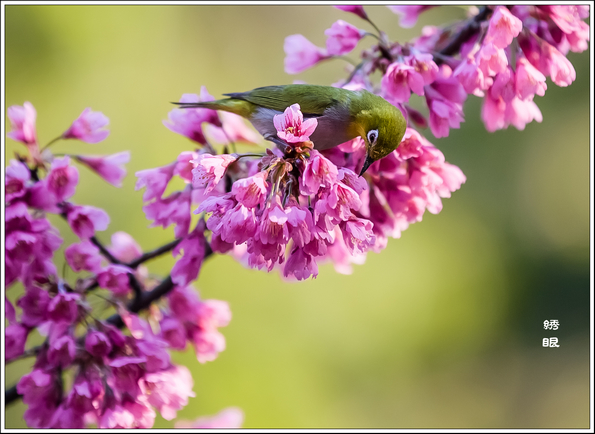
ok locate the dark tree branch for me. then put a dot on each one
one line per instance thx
(154, 253)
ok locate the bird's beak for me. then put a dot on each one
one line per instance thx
(367, 163)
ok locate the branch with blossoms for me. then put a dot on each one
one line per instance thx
(278, 210)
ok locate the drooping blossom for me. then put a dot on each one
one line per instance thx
(409, 14)
(62, 179)
(291, 126)
(503, 27)
(342, 38)
(528, 80)
(124, 247)
(400, 79)
(97, 344)
(301, 54)
(231, 417)
(115, 278)
(15, 338)
(188, 121)
(155, 181)
(354, 9)
(34, 306)
(85, 220)
(88, 127)
(187, 267)
(233, 128)
(17, 177)
(209, 169)
(109, 167)
(83, 256)
(62, 351)
(174, 209)
(64, 308)
(22, 122)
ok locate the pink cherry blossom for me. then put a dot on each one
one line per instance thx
(17, 177)
(213, 314)
(273, 227)
(83, 256)
(291, 126)
(187, 267)
(169, 390)
(22, 121)
(470, 76)
(62, 351)
(97, 344)
(300, 265)
(188, 121)
(503, 27)
(409, 14)
(155, 180)
(234, 128)
(34, 305)
(124, 247)
(400, 79)
(174, 209)
(319, 172)
(251, 191)
(301, 54)
(207, 344)
(87, 127)
(85, 220)
(173, 331)
(424, 65)
(237, 225)
(15, 338)
(184, 165)
(115, 278)
(64, 308)
(357, 10)
(184, 303)
(342, 38)
(504, 85)
(41, 391)
(109, 167)
(491, 59)
(210, 169)
(62, 179)
(230, 417)
(358, 235)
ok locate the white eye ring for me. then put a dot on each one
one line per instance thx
(372, 136)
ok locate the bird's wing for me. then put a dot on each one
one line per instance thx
(313, 99)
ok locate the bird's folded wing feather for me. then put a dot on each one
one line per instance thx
(313, 100)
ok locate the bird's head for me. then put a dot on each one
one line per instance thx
(382, 128)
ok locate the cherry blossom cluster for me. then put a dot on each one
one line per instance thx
(502, 54)
(118, 379)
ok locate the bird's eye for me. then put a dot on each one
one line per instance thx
(372, 136)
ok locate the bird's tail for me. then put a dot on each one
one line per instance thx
(232, 105)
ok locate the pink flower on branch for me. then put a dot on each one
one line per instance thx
(88, 127)
(115, 278)
(83, 256)
(301, 54)
(85, 220)
(291, 126)
(109, 167)
(22, 121)
(155, 180)
(503, 27)
(209, 169)
(62, 179)
(342, 38)
(357, 10)
(188, 122)
(17, 177)
(409, 14)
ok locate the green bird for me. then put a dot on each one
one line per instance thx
(342, 115)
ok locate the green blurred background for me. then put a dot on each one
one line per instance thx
(442, 329)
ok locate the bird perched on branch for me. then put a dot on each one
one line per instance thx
(342, 115)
